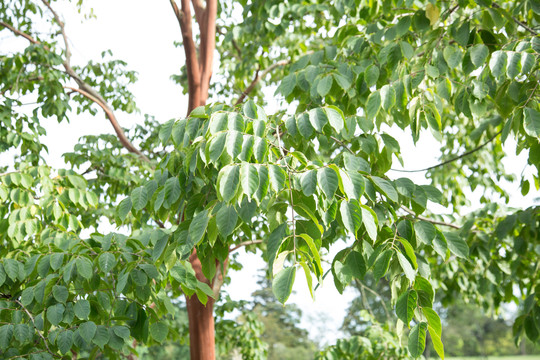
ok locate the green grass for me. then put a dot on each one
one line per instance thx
(515, 357)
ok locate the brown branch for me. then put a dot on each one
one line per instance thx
(33, 323)
(199, 10)
(62, 29)
(20, 33)
(259, 78)
(517, 21)
(208, 44)
(84, 88)
(193, 71)
(112, 118)
(245, 243)
(455, 158)
(435, 222)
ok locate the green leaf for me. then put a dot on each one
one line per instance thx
(479, 54)
(452, 55)
(106, 262)
(531, 122)
(324, 85)
(373, 105)
(82, 309)
(356, 263)
(23, 332)
(514, 65)
(124, 208)
(309, 182)
(60, 293)
(277, 177)
(371, 75)
(425, 231)
(388, 95)
(139, 197)
(87, 330)
(55, 314)
(417, 339)
(84, 267)
(436, 341)
(217, 145)
(159, 331)
(198, 225)
(226, 219)
(318, 118)
(369, 219)
(386, 188)
(351, 216)
(287, 85)
(6, 334)
(457, 245)
(382, 264)
(228, 182)
(101, 338)
(313, 249)
(433, 319)
(283, 283)
(425, 291)
(410, 273)
(172, 191)
(328, 181)
(64, 340)
(304, 125)
(234, 143)
(249, 177)
(497, 63)
(335, 117)
(405, 306)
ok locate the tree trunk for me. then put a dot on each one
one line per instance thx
(201, 329)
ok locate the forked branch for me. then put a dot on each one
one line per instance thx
(258, 78)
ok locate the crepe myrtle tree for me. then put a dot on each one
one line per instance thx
(318, 171)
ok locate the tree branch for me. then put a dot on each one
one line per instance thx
(259, 78)
(453, 159)
(62, 29)
(245, 243)
(112, 118)
(208, 44)
(193, 70)
(435, 222)
(517, 21)
(34, 324)
(84, 88)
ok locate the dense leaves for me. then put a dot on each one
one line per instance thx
(296, 183)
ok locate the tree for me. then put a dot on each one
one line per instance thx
(192, 191)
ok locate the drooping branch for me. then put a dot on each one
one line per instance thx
(192, 67)
(467, 153)
(258, 78)
(84, 89)
(112, 118)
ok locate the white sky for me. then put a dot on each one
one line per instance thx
(143, 36)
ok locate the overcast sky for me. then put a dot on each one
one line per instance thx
(143, 36)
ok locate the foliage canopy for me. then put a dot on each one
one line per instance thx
(293, 183)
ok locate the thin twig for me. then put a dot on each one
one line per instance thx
(34, 324)
(62, 29)
(517, 21)
(435, 222)
(453, 159)
(259, 78)
(245, 243)
(341, 143)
